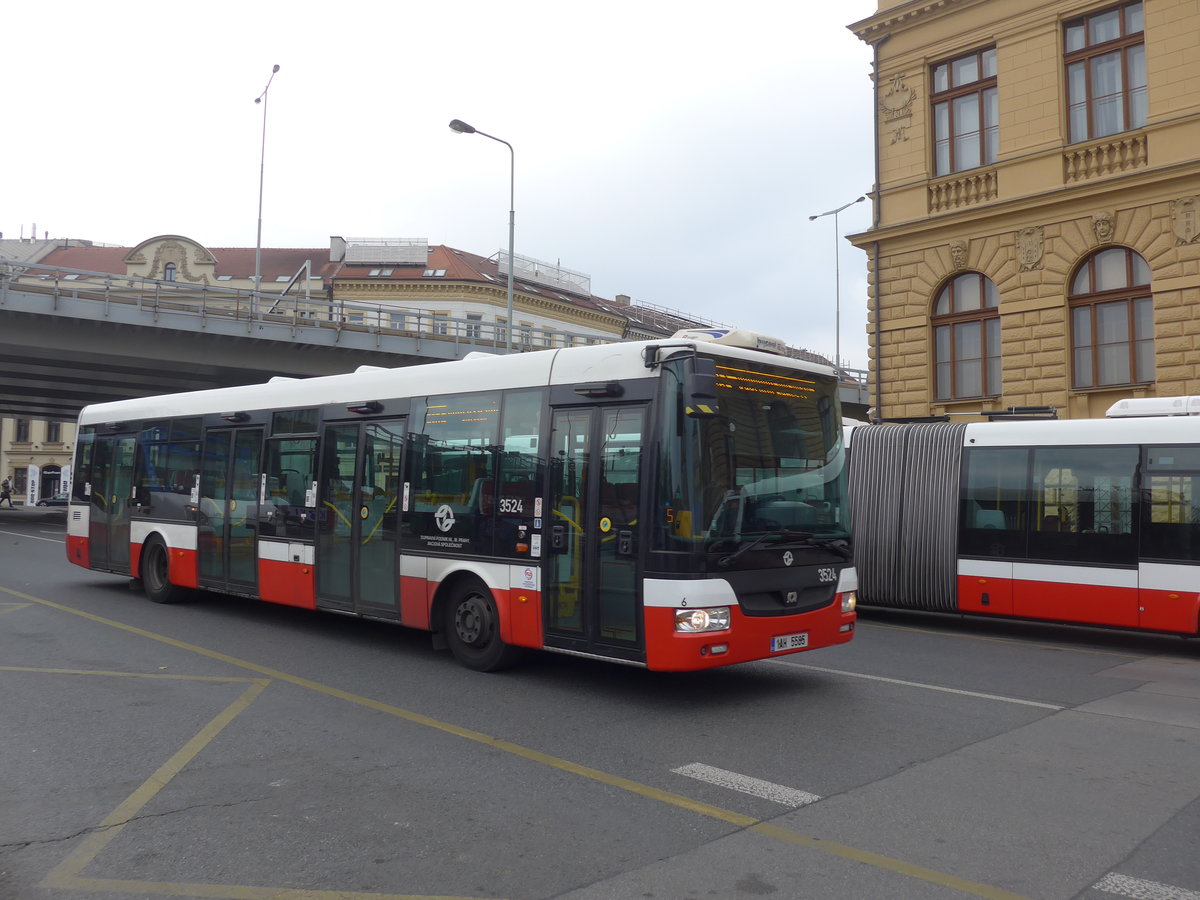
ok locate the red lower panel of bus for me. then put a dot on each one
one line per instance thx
(184, 568)
(748, 638)
(77, 551)
(288, 583)
(1090, 604)
(416, 599)
(521, 622)
(1170, 610)
(1058, 600)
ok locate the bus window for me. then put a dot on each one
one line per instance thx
(290, 471)
(1083, 505)
(994, 505)
(451, 469)
(1171, 497)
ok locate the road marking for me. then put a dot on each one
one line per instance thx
(926, 687)
(32, 537)
(1141, 889)
(10, 607)
(756, 787)
(64, 874)
(1020, 642)
(866, 857)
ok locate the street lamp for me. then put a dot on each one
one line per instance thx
(837, 277)
(461, 127)
(261, 98)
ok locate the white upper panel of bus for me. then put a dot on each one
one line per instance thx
(1077, 432)
(602, 362)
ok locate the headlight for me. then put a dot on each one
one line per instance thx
(694, 621)
(849, 601)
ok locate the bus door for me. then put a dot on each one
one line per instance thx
(227, 514)
(358, 517)
(111, 488)
(592, 596)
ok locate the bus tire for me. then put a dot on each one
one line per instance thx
(472, 629)
(155, 574)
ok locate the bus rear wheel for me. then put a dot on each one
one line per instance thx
(156, 574)
(472, 628)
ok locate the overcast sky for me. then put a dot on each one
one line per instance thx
(672, 151)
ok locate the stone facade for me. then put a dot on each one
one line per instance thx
(1029, 219)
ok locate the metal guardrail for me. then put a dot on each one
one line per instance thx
(264, 307)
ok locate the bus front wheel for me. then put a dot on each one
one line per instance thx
(472, 628)
(155, 573)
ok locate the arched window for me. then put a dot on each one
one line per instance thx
(966, 338)
(1112, 320)
(169, 272)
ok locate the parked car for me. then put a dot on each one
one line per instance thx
(56, 500)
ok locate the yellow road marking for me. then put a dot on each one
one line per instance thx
(865, 857)
(114, 823)
(10, 607)
(236, 891)
(222, 678)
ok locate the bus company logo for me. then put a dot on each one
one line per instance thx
(788, 559)
(444, 517)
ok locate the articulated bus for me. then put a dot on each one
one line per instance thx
(675, 504)
(1090, 521)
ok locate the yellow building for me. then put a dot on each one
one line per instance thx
(1036, 230)
(35, 455)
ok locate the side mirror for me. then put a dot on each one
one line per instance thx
(700, 389)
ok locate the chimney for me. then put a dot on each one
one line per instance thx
(621, 299)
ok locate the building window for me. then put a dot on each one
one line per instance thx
(966, 338)
(169, 272)
(22, 431)
(1112, 320)
(441, 323)
(1105, 57)
(54, 432)
(966, 130)
(473, 327)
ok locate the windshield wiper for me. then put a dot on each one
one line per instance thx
(838, 545)
(803, 538)
(726, 561)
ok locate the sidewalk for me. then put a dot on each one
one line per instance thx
(33, 513)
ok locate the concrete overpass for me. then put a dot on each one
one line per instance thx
(66, 342)
(71, 337)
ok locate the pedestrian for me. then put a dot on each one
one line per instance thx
(6, 492)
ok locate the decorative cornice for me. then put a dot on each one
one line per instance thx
(872, 28)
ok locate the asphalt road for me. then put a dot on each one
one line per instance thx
(228, 749)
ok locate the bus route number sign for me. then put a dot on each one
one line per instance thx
(789, 642)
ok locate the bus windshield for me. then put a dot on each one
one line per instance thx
(769, 467)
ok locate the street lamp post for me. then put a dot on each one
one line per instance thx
(837, 277)
(461, 127)
(261, 98)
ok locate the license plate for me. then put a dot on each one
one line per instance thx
(789, 642)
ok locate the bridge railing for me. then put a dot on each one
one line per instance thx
(299, 313)
(156, 297)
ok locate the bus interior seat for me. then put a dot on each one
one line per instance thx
(990, 518)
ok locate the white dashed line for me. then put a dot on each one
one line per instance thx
(1141, 889)
(756, 787)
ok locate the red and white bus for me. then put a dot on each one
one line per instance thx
(676, 504)
(1091, 521)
